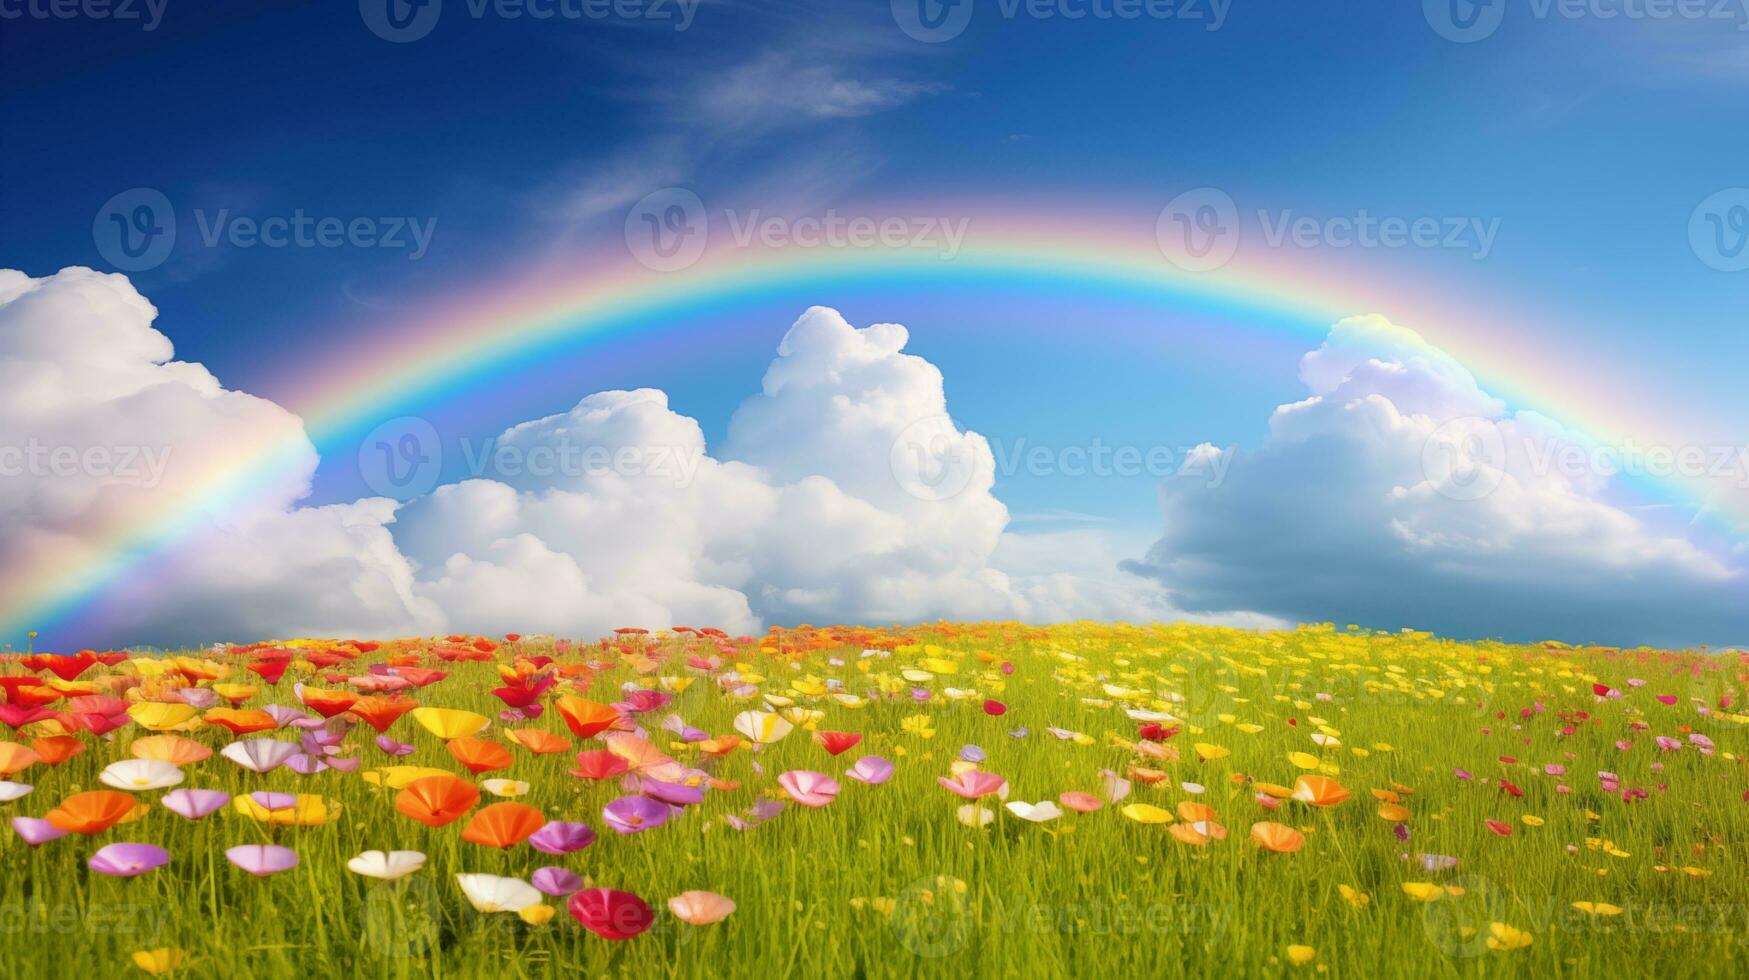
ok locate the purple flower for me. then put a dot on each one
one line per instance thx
(127, 860)
(919, 694)
(678, 794)
(557, 882)
(871, 769)
(35, 831)
(198, 697)
(393, 747)
(262, 860)
(282, 715)
(1401, 830)
(632, 814)
(971, 753)
(274, 801)
(194, 803)
(558, 837)
(1020, 732)
(348, 764)
(305, 764)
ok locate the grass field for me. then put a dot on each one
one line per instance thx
(1427, 808)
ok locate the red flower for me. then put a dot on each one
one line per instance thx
(994, 707)
(611, 914)
(837, 742)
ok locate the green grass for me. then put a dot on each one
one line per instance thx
(856, 888)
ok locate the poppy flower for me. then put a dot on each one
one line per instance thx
(493, 893)
(559, 837)
(479, 755)
(1080, 802)
(503, 825)
(505, 787)
(973, 783)
(174, 749)
(10, 790)
(326, 703)
(379, 712)
(1319, 791)
(56, 749)
(262, 860)
(15, 758)
(128, 860)
(600, 764)
(586, 718)
(810, 789)
(1146, 813)
(993, 708)
(450, 723)
(386, 866)
(135, 775)
(192, 804)
(871, 769)
(260, 754)
(161, 716)
(92, 812)
(537, 741)
(837, 742)
(157, 962)
(557, 882)
(1276, 837)
(240, 722)
(1041, 812)
(36, 832)
(634, 814)
(700, 908)
(437, 800)
(762, 727)
(611, 914)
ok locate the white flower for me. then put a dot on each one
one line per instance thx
(140, 774)
(505, 787)
(1035, 812)
(394, 864)
(10, 791)
(491, 893)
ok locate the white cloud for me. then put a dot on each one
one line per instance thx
(1356, 509)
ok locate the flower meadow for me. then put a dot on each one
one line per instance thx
(945, 800)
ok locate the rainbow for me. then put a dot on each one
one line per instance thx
(469, 343)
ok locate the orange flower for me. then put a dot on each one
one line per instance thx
(503, 825)
(92, 812)
(437, 800)
(241, 722)
(586, 718)
(379, 712)
(327, 703)
(174, 749)
(16, 758)
(1276, 837)
(479, 755)
(1319, 791)
(539, 742)
(56, 749)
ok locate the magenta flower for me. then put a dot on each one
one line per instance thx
(305, 764)
(274, 801)
(678, 794)
(393, 747)
(559, 837)
(282, 715)
(127, 860)
(35, 831)
(557, 882)
(194, 803)
(632, 814)
(262, 860)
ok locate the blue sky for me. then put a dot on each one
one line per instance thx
(1590, 139)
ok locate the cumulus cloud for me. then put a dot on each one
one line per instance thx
(1399, 493)
(103, 433)
(845, 493)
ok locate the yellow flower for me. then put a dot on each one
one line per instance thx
(1597, 908)
(1502, 937)
(536, 915)
(450, 723)
(917, 725)
(1354, 896)
(1300, 955)
(1147, 813)
(158, 962)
